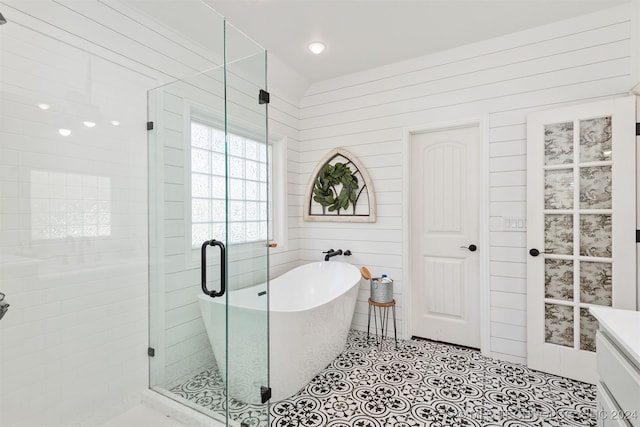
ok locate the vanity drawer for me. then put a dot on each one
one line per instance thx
(607, 411)
(621, 378)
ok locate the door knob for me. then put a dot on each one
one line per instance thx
(535, 252)
(472, 248)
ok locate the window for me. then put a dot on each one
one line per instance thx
(249, 178)
(69, 205)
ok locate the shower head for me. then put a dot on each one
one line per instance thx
(2, 20)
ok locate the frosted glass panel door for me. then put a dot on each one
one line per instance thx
(581, 215)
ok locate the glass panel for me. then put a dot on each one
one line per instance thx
(558, 322)
(595, 235)
(200, 136)
(251, 167)
(217, 164)
(218, 144)
(218, 208)
(247, 352)
(200, 232)
(558, 234)
(588, 328)
(595, 187)
(201, 210)
(252, 211)
(595, 283)
(219, 187)
(558, 144)
(236, 145)
(595, 139)
(236, 167)
(236, 211)
(200, 161)
(558, 279)
(200, 185)
(251, 150)
(188, 367)
(214, 351)
(558, 189)
(252, 191)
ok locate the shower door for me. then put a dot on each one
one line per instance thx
(208, 207)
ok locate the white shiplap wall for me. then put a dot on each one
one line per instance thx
(73, 344)
(499, 80)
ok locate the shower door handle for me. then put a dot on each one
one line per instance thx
(203, 268)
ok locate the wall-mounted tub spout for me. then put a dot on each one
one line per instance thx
(331, 253)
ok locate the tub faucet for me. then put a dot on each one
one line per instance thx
(331, 253)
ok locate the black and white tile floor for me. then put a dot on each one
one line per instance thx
(423, 383)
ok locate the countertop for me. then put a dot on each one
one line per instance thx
(623, 326)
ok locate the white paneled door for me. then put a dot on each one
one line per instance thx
(581, 190)
(444, 235)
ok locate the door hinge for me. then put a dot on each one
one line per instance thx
(265, 393)
(637, 129)
(637, 236)
(151, 352)
(263, 97)
(149, 125)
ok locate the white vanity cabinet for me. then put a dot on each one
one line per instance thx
(618, 362)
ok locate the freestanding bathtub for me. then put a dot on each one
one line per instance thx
(310, 313)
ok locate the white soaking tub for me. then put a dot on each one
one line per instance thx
(311, 308)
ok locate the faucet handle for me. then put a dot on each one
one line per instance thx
(347, 253)
(329, 251)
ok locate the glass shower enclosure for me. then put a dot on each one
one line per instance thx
(208, 215)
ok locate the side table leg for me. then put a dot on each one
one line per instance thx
(375, 323)
(395, 334)
(368, 322)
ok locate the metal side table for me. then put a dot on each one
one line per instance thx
(383, 312)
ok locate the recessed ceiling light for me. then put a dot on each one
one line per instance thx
(64, 132)
(89, 124)
(317, 47)
(115, 122)
(43, 106)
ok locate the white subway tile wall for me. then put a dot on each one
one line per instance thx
(73, 207)
(73, 232)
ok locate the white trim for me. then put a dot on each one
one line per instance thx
(483, 224)
(279, 193)
(485, 288)
(635, 42)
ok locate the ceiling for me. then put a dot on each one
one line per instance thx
(359, 34)
(362, 34)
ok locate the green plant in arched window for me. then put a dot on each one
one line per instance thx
(326, 193)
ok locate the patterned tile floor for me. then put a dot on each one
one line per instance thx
(423, 383)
